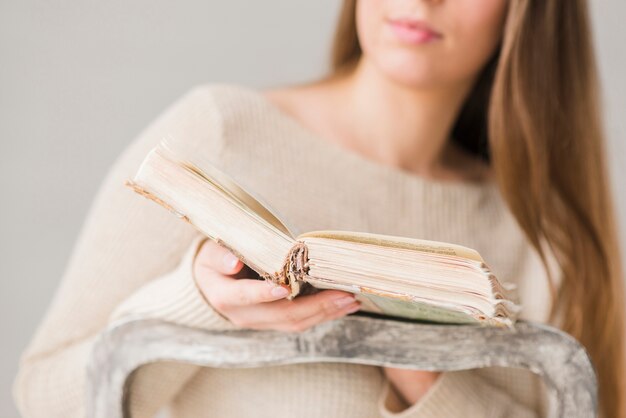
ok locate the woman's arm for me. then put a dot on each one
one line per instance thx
(410, 385)
(452, 394)
(126, 244)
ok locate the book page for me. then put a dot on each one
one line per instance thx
(218, 216)
(415, 244)
(403, 306)
(228, 186)
(416, 310)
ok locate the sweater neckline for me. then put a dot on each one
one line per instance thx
(388, 172)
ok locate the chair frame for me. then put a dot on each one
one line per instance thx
(359, 338)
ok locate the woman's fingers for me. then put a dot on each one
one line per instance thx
(227, 292)
(322, 316)
(294, 315)
(254, 303)
(322, 304)
(214, 256)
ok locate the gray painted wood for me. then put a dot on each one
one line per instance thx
(556, 356)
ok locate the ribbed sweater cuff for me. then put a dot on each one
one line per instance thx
(175, 297)
(455, 394)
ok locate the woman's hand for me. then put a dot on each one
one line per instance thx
(411, 385)
(230, 288)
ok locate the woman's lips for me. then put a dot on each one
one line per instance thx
(413, 31)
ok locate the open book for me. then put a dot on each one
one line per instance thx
(390, 275)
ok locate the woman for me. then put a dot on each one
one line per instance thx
(468, 121)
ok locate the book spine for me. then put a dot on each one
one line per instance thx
(296, 268)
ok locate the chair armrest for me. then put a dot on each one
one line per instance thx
(360, 338)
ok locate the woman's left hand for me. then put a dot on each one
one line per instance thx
(411, 385)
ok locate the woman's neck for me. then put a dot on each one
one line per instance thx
(402, 126)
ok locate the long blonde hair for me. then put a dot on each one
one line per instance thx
(534, 115)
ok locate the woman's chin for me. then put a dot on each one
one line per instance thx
(413, 73)
(415, 79)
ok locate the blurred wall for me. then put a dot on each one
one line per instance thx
(80, 79)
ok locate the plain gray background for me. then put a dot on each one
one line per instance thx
(80, 79)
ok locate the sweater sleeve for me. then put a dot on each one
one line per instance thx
(174, 297)
(455, 394)
(129, 253)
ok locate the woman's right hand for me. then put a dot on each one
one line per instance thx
(227, 285)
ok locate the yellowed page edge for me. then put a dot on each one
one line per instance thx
(393, 241)
(227, 185)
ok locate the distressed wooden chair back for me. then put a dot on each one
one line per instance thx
(561, 361)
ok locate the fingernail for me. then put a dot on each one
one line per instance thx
(230, 261)
(343, 301)
(279, 291)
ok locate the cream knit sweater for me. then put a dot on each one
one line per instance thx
(133, 258)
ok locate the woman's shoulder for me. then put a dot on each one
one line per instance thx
(231, 100)
(244, 130)
(289, 102)
(237, 109)
(223, 118)
(217, 103)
